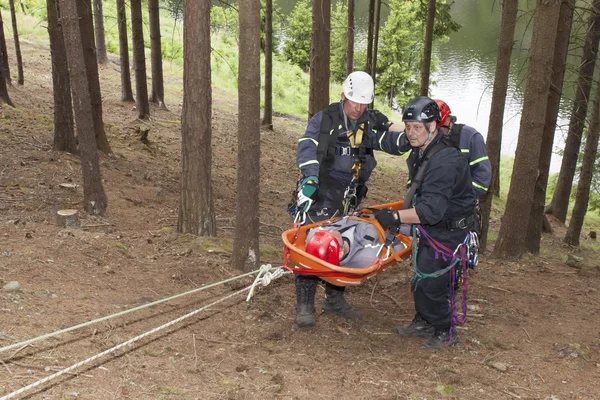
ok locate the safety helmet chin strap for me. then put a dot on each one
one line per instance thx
(429, 135)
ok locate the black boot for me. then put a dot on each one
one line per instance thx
(441, 338)
(335, 303)
(417, 328)
(306, 287)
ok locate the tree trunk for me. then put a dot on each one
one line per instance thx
(139, 60)
(560, 199)
(13, 16)
(511, 239)
(158, 87)
(426, 64)
(4, 97)
(537, 217)
(126, 91)
(268, 111)
(350, 37)
(494, 136)
(319, 57)
(246, 252)
(86, 25)
(585, 175)
(4, 55)
(196, 210)
(375, 45)
(101, 53)
(64, 134)
(94, 198)
(370, 29)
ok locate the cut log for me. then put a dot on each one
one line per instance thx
(69, 186)
(67, 218)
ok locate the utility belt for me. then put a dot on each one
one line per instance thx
(469, 222)
(351, 151)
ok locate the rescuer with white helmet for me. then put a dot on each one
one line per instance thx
(335, 157)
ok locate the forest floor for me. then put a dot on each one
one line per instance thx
(533, 330)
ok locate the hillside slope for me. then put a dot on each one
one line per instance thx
(532, 332)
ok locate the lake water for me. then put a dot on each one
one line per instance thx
(465, 75)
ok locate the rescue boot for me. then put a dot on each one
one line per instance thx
(417, 328)
(306, 287)
(336, 304)
(441, 338)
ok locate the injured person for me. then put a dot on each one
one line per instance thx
(349, 243)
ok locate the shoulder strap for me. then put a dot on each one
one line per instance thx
(454, 135)
(331, 118)
(416, 181)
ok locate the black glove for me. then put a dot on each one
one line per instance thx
(379, 121)
(388, 219)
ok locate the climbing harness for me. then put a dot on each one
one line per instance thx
(460, 261)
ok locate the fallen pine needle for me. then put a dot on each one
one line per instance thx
(342, 330)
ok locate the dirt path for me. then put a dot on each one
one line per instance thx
(532, 333)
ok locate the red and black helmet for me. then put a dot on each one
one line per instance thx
(444, 112)
(324, 246)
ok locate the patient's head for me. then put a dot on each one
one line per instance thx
(327, 246)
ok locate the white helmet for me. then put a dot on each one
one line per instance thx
(358, 87)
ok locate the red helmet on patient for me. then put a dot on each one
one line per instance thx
(324, 246)
(444, 112)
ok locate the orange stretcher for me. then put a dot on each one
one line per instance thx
(296, 260)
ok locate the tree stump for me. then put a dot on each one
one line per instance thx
(67, 218)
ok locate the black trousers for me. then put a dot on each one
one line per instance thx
(431, 295)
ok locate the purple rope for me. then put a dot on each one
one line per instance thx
(445, 252)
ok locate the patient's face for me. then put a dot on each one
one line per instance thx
(344, 246)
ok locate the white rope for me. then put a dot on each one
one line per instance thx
(265, 276)
(268, 278)
(120, 313)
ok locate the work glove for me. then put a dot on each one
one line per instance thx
(379, 121)
(388, 219)
(307, 193)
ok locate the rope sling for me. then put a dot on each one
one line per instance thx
(464, 256)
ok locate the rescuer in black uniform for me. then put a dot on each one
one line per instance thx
(444, 205)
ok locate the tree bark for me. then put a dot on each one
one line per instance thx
(94, 198)
(13, 16)
(126, 91)
(101, 54)
(139, 60)
(370, 29)
(560, 199)
(86, 25)
(246, 253)
(350, 37)
(268, 111)
(375, 45)
(158, 87)
(585, 175)
(64, 134)
(511, 239)
(319, 57)
(4, 97)
(4, 55)
(196, 210)
(428, 45)
(494, 136)
(537, 217)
